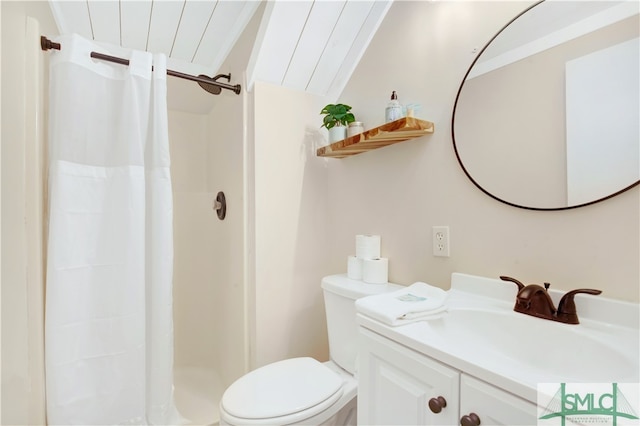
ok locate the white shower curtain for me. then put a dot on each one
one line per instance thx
(109, 327)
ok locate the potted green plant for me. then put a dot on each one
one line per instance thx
(337, 118)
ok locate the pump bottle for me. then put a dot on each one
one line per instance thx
(394, 109)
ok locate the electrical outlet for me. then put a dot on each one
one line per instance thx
(441, 241)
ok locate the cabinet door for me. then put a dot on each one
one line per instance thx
(494, 406)
(396, 384)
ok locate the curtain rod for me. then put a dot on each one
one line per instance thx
(209, 84)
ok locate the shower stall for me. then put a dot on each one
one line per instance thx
(210, 349)
(211, 337)
(211, 292)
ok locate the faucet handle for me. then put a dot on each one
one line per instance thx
(513, 280)
(567, 305)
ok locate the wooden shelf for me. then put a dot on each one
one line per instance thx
(396, 131)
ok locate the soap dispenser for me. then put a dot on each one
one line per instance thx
(394, 109)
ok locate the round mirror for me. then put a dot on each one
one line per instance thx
(547, 116)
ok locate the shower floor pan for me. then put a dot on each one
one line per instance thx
(197, 394)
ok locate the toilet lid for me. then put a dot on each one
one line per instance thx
(280, 389)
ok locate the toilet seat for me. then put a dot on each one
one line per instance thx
(283, 392)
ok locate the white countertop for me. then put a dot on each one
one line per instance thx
(491, 342)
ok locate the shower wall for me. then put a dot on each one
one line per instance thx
(194, 284)
(209, 323)
(225, 159)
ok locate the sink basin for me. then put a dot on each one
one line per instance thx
(482, 336)
(558, 351)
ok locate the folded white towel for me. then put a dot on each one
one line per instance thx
(417, 302)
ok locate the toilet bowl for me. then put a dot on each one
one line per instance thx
(293, 391)
(304, 390)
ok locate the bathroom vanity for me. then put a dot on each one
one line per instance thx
(399, 385)
(481, 362)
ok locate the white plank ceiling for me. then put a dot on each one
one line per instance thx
(314, 46)
(195, 35)
(309, 45)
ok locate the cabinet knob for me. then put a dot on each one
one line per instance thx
(471, 419)
(437, 404)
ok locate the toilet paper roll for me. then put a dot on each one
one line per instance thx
(375, 271)
(354, 268)
(368, 246)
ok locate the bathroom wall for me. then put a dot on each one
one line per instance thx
(422, 51)
(291, 243)
(23, 130)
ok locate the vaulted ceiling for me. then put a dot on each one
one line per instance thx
(314, 45)
(196, 35)
(310, 45)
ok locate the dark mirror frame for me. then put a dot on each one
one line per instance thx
(455, 148)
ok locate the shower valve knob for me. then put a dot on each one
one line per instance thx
(220, 205)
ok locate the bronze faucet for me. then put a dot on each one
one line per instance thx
(535, 300)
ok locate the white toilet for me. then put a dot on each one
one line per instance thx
(303, 390)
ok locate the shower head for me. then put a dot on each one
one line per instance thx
(215, 87)
(211, 88)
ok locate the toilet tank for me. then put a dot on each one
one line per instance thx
(340, 294)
